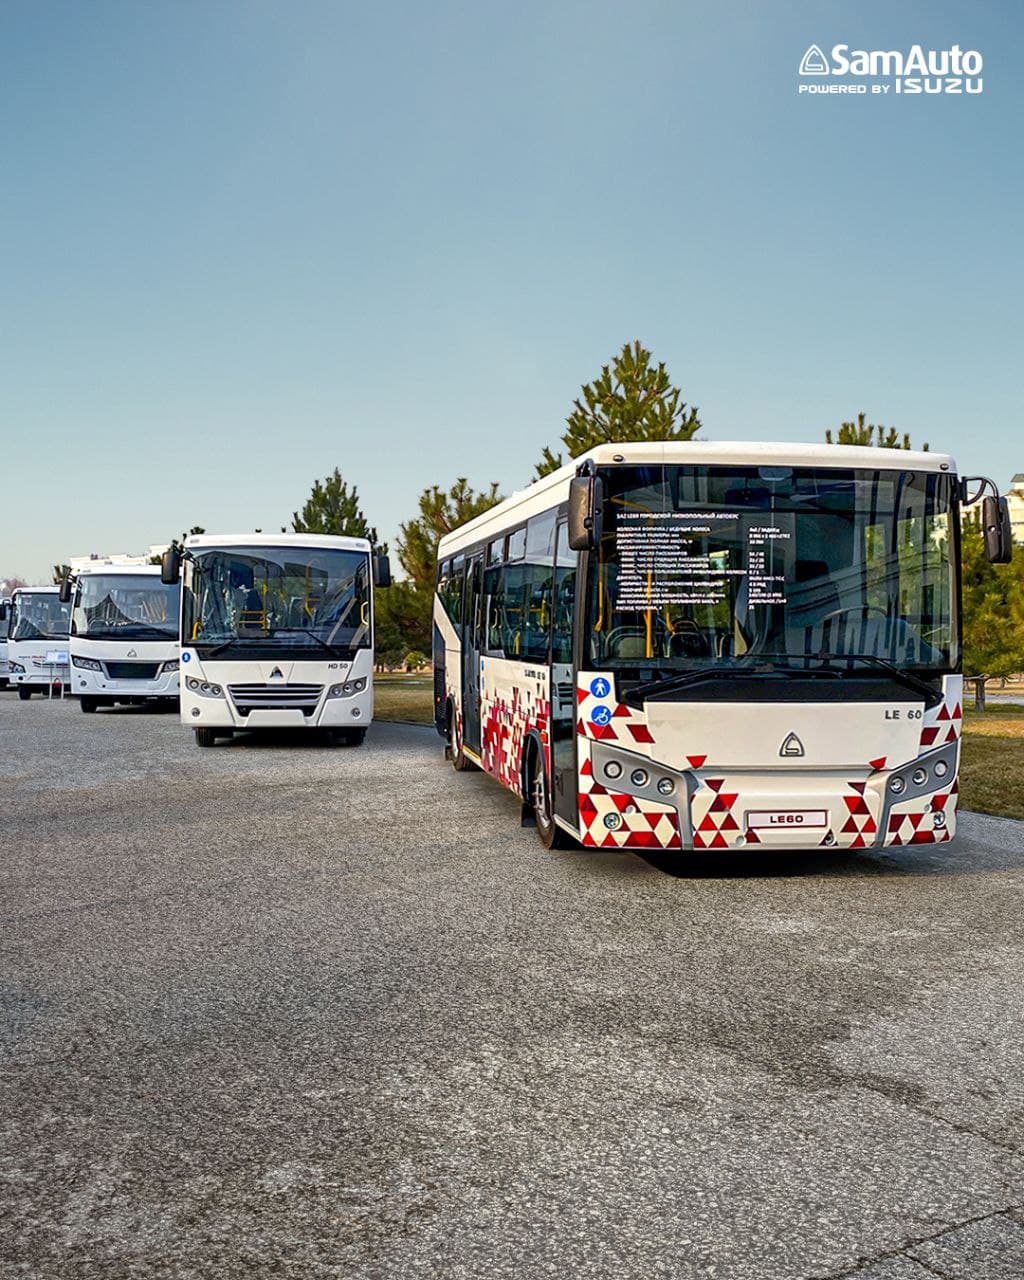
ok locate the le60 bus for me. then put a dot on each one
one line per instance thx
(708, 646)
(276, 632)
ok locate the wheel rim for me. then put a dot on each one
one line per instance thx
(539, 795)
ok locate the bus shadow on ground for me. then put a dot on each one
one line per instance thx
(312, 739)
(971, 853)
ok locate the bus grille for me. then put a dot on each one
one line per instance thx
(275, 697)
(132, 670)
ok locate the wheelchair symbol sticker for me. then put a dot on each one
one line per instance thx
(600, 688)
(602, 715)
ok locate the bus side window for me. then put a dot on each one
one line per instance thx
(563, 606)
(455, 583)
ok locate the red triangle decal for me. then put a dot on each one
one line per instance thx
(879, 763)
(695, 762)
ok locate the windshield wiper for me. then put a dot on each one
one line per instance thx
(331, 649)
(761, 665)
(932, 696)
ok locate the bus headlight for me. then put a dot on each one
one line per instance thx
(87, 664)
(348, 689)
(639, 777)
(204, 688)
(613, 769)
(919, 777)
(666, 786)
(897, 786)
(940, 768)
(16, 668)
(171, 665)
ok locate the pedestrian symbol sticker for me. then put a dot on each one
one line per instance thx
(602, 715)
(600, 688)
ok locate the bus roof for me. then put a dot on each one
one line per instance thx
(276, 540)
(537, 496)
(115, 570)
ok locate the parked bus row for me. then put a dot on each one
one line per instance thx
(245, 632)
(658, 646)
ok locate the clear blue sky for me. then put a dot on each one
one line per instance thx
(246, 242)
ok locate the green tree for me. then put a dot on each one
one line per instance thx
(993, 607)
(632, 399)
(441, 511)
(866, 433)
(60, 572)
(333, 508)
(403, 619)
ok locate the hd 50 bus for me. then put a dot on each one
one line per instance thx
(37, 642)
(709, 646)
(124, 635)
(276, 632)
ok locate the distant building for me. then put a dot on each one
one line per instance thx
(1015, 501)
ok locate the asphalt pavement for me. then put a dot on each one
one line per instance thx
(286, 1009)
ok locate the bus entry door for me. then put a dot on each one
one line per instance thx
(471, 643)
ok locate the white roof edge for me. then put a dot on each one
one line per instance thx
(277, 540)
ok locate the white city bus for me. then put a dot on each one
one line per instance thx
(5, 622)
(124, 634)
(705, 646)
(37, 643)
(276, 632)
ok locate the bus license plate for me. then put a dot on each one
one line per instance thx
(786, 819)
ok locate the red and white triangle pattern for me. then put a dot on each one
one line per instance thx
(942, 724)
(627, 726)
(714, 822)
(917, 826)
(859, 829)
(651, 826)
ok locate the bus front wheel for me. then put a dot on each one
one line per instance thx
(205, 737)
(88, 704)
(24, 692)
(549, 832)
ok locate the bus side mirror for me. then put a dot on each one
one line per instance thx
(170, 566)
(381, 571)
(64, 594)
(586, 498)
(995, 524)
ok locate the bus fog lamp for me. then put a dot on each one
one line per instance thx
(919, 777)
(612, 821)
(897, 785)
(639, 778)
(938, 818)
(666, 786)
(613, 769)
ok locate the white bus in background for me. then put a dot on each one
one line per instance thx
(124, 634)
(716, 646)
(37, 641)
(276, 632)
(5, 622)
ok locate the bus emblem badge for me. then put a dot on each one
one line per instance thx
(278, 674)
(132, 653)
(791, 746)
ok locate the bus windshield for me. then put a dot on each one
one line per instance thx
(715, 566)
(39, 615)
(125, 607)
(277, 600)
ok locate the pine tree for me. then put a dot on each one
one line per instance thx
(441, 511)
(993, 607)
(332, 508)
(631, 400)
(866, 433)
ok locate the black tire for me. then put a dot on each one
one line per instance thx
(24, 692)
(352, 737)
(88, 704)
(549, 833)
(205, 737)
